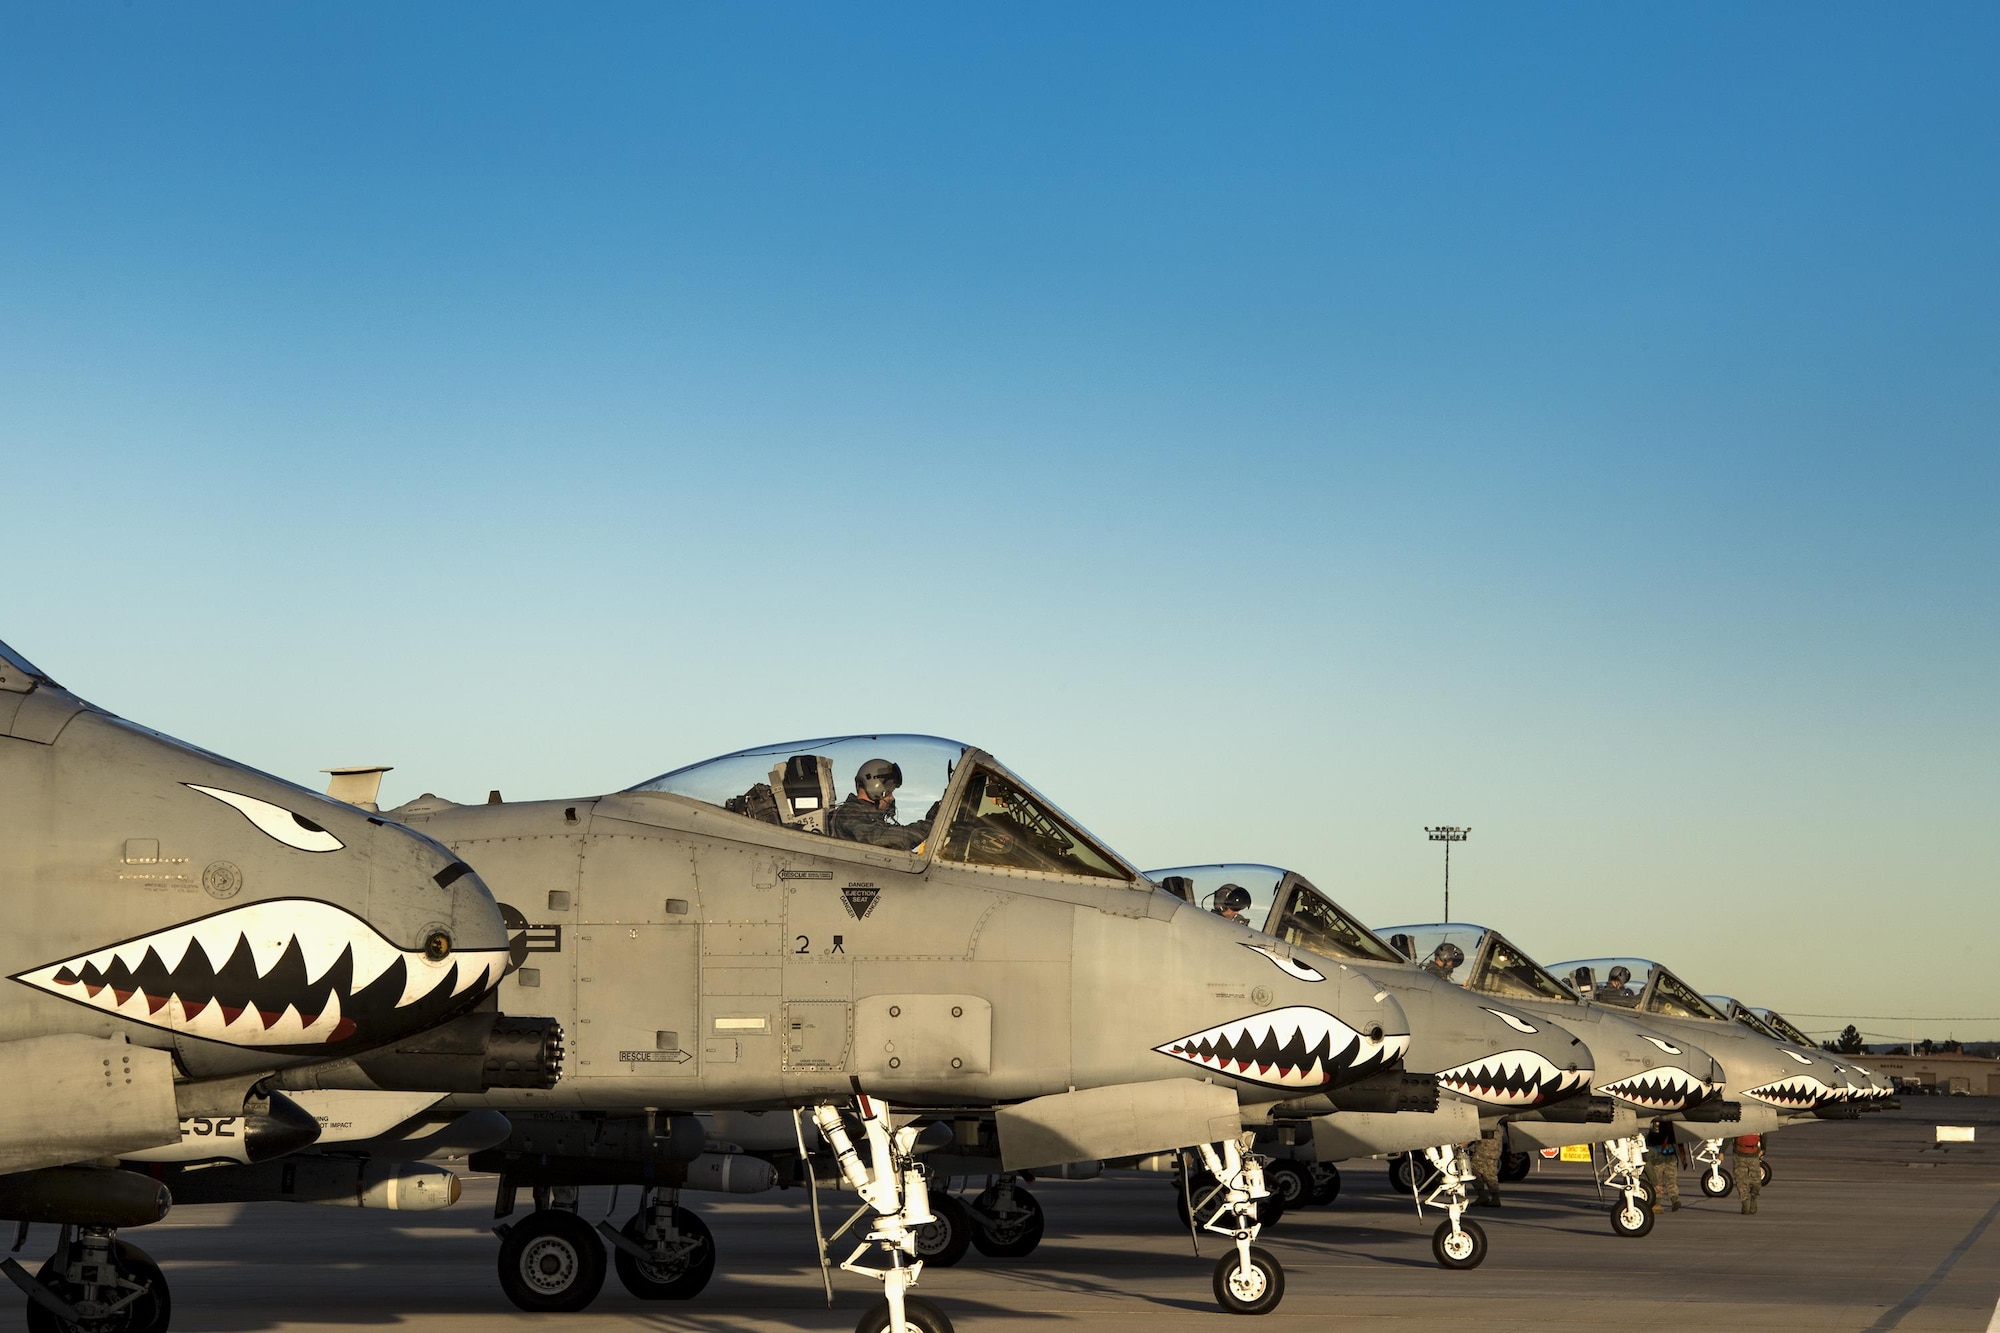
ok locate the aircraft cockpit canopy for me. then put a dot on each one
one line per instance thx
(1738, 1012)
(1637, 983)
(1478, 959)
(889, 792)
(1784, 1027)
(1282, 903)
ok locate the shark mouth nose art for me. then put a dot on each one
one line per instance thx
(1664, 1088)
(1513, 1078)
(283, 974)
(1294, 1047)
(1792, 1094)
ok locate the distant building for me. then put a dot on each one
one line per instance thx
(1965, 1075)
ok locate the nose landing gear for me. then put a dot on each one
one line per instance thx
(1457, 1243)
(95, 1283)
(1250, 1280)
(1631, 1212)
(891, 1184)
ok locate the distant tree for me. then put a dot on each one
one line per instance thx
(1831, 1046)
(1951, 1046)
(1924, 1046)
(1850, 1040)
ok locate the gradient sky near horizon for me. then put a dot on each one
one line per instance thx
(1271, 432)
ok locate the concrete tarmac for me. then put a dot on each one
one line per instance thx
(1866, 1227)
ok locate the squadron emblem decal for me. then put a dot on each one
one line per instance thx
(285, 974)
(859, 899)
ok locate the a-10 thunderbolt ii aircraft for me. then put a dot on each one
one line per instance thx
(769, 930)
(1477, 1058)
(182, 931)
(1772, 1082)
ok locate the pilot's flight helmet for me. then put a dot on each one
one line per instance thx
(1232, 897)
(878, 779)
(1448, 956)
(1619, 976)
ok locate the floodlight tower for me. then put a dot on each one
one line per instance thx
(1448, 834)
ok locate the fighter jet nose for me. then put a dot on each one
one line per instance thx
(285, 1128)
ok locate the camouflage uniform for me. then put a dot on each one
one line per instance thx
(1749, 1169)
(1663, 1170)
(1486, 1168)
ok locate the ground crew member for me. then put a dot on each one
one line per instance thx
(1663, 1168)
(1486, 1169)
(869, 814)
(1749, 1170)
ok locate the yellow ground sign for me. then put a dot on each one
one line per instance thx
(1576, 1152)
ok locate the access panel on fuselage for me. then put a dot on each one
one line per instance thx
(636, 1000)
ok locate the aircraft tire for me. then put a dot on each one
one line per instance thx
(551, 1262)
(1465, 1248)
(1255, 1290)
(1399, 1173)
(671, 1281)
(151, 1313)
(1515, 1166)
(1011, 1238)
(944, 1242)
(1633, 1219)
(918, 1313)
(1715, 1189)
(1289, 1181)
(1763, 1172)
(1325, 1183)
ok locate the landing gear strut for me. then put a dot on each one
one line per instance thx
(891, 1184)
(95, 1283)
(1715, 1182)
(1457, 1243)
(1631, 1212)
(1249, 1280)
(663, 1252)
(1007, 1220)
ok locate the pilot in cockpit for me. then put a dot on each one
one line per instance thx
(1231, 902)
(1618, 982)
(1446, 959)
(869, 814)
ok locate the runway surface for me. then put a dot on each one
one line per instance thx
(1866, 1227)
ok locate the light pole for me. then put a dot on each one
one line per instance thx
(1448, 834)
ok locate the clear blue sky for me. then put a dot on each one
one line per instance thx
(1271, 433)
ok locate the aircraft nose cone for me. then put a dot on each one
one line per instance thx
(285, 1128)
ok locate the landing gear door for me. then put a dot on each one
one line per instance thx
(635, 1000)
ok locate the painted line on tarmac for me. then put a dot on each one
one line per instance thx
(1993, 1324)
(1895, 1314)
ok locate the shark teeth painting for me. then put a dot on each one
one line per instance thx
(1664, 1088)
(282, 974)
(1513, 1078)
(1294, 1047)
(1792, 1094)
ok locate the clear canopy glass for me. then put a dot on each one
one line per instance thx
(1738, 1012)
(1637, 983)
(1784, 1027)
(1200, 884)
(889, 791)
(1478, 958)
(815, 786)
(1282, 903)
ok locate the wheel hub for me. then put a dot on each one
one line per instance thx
(549, 1265)
(1247, 1283)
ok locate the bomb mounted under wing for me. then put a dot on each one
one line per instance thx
(864, 922)
(183, 931)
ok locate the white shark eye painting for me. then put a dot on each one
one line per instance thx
(1290, 966)
(1516, 1023)
(291, 829)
